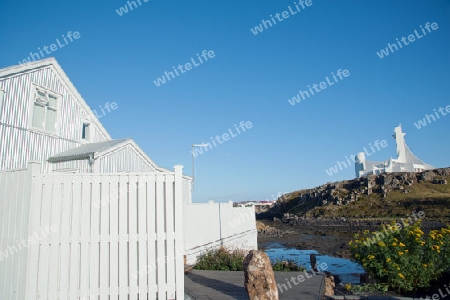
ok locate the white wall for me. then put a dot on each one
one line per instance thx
(214, 224)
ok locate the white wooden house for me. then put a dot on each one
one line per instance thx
(44, 118)
(118, 215)
(122, 224)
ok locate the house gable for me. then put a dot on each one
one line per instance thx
(105, 157)
(20, 80)
(34, 96)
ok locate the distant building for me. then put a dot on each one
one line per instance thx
(263, 203)
(405, 162)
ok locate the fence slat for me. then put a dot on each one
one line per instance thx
(170, 234)
(44, 240)
(95, 236)
(151, 225)
(75, 239)
(133, 238)
(123, 239)
(55, 219)
(114, 221)
(66, 216)
(85, 234)
(33, 250)
(104, 204)
(161, 237)
(143, 267)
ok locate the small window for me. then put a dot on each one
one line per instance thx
(45, 109)
(85, 133)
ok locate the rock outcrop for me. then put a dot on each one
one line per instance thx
(259, 277)
(344, 192)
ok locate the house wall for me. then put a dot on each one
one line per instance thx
(126, 159)
(212, 225)
(16, 133)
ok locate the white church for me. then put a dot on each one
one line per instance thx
(405, 162)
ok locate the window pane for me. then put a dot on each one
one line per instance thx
(51, 120)
(38, 116)
(41, 94)
(85, 133)
(52, 101)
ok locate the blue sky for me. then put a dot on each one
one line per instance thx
(250, 78)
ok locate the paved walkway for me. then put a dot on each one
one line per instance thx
(226, 285)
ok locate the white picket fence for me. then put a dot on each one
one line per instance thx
(91, 236)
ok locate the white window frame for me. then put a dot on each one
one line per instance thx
(58, 98)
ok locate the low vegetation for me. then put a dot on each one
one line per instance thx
(221, 259)
(286, 266)
(403, 258)
(228, 259)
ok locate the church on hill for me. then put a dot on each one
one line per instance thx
(405, 162)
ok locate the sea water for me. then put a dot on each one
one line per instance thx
(348, 271)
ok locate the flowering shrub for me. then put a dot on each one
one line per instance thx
(403, 257)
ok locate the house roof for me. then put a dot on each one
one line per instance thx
(100, 149)
(85, 151)
(51, 62)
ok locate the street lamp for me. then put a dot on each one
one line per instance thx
(193, 160)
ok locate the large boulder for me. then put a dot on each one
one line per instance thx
(259, 278)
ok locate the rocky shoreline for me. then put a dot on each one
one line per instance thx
(327, 236)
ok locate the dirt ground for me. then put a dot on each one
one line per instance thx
(326, 240)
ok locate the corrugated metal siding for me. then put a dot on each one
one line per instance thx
(81, 166)
(122, 160)
(18, 147)
(19, 144)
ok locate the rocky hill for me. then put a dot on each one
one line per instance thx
(383, 196)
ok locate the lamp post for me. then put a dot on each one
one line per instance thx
(193, 161)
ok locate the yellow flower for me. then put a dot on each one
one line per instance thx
(381, 243)
(401, 244)
(388, 259)
(370, 257)
(401, 253)
(425, 265)
(394, 244)
(401, 275)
